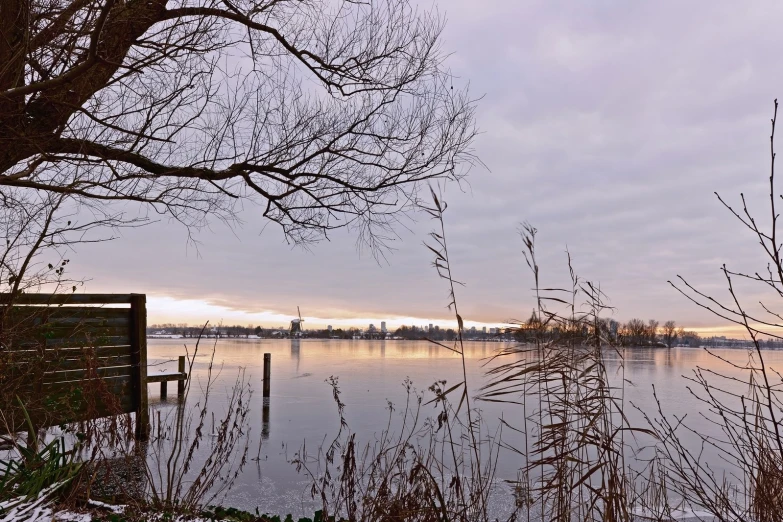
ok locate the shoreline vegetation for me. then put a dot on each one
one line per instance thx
(634, 333)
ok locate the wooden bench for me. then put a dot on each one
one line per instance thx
(76, 357)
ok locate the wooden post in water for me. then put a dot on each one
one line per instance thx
(267, 373)
(164, 390)
(181, 383)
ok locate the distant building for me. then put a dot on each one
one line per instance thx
(329, 328)
(383, 326)
(473, 329)
(430, 327)
(484, 330)
(371, 328)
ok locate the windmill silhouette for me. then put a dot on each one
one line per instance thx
(295, 329)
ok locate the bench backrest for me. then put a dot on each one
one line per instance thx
(72, 358)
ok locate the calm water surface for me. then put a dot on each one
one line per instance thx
(370, 374)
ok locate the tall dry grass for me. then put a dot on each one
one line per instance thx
(572, 407)
(444, 466)
(434, 468)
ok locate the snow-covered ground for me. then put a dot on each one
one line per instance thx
(41, 510)
(37, 510)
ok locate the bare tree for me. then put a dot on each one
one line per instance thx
(652, 330)
(669, 333)
(325, 114)
(634, 332)
(743, 416)
(691, 338)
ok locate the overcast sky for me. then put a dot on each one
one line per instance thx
(606, 125)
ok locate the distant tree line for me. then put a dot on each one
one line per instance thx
(238, 331)
(635, 332)
(186, 330)
(419, 333)
(638, 333)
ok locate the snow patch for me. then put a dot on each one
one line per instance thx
(674, 514)
(120, 508)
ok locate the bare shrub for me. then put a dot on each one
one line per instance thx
(402, 475)
(743, 407)
(186, 466)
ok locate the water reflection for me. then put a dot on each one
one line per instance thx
(295, 352)
(370, 372)
(265, 419)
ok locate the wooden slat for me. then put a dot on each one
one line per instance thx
(66, 299)
(80, 375)
(114, 385)
(57, 354)
(89, 341)
(41, 314)
(85, 331)
(48, 331)
(81, 342)
(89, 322)
(166, 377)
(70, 364)
(46, 391)
(28, 376)
(102, 362)
(52, 394)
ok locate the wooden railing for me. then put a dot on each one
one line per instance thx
(69, 358)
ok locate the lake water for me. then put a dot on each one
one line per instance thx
(301, 408)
